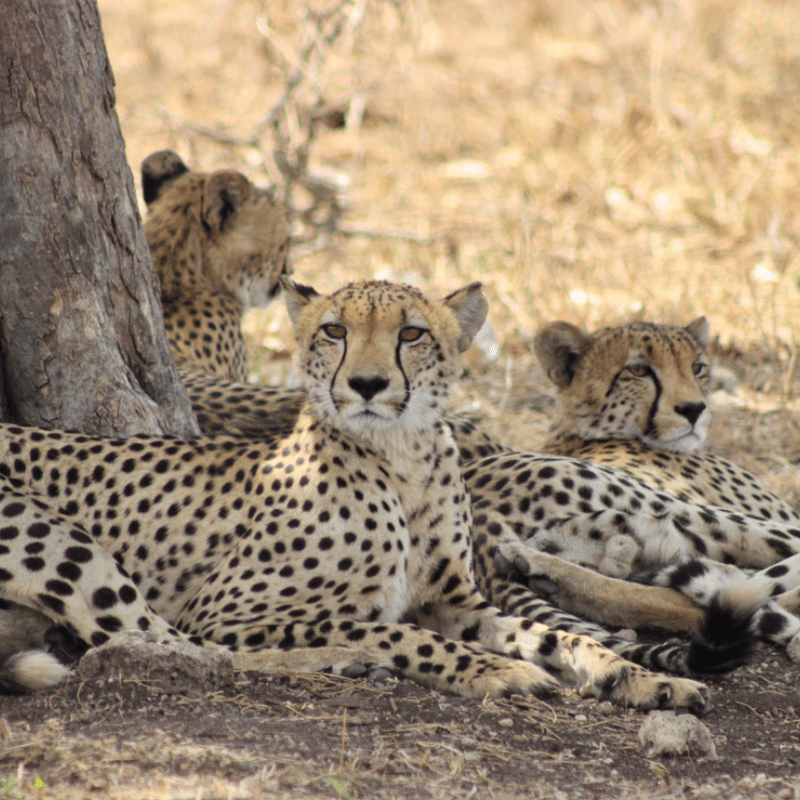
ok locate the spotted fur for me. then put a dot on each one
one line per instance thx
(225, 407)
(634, 398)
(351, 530)
(219, 245)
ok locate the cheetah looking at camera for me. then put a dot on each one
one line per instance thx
(350, 530)
(226, 406)
(220, 247)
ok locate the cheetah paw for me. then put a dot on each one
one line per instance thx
(637, 688)
(508, 677)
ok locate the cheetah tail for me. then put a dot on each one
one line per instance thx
(30, 671)
(726, 640)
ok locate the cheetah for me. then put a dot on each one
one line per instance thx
(219, 246)
(231, 407)
(234, 408)
(634, 398)
(351, 530)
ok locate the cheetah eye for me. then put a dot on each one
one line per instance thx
(334, 331)
(699, 369)
(411, 334)
(638, 370)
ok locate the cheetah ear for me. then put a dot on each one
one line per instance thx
(223, 195)
(297, 297)
(470, 307)
(560, 346)
(160, 169)
(699, 329)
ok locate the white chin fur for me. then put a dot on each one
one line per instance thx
(688, 443)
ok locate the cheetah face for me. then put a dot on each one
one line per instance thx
(640, 381)
(215, 232)
(247, 246)
(378, 356)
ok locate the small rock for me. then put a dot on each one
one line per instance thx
(793, 648)
(506, 722)
(666, 734)
(145, 656)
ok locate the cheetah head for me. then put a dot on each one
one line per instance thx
(380, 356)
(639, 381)
(214, 231)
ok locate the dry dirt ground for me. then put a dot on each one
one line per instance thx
(327, 737)
(590, 161)
(320, 736)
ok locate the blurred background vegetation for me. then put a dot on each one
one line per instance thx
(588, 160)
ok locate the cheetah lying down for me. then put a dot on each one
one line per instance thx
(350, 531)
(634, 398)
(220, 245)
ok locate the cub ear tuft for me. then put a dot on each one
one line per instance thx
(470, 307)
(560, 346)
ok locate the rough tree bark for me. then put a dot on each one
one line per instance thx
(82, 343)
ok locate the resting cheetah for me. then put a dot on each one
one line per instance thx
(257, 411)
(634, 398)
(351, 530)
(219, 246)
(229, 407)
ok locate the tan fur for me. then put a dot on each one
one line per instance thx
(219, 246)
(634, 398)
(338, 533)
(633, 422)
(639, 381)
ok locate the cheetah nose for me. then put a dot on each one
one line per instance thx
(368, 387)
(691, 411)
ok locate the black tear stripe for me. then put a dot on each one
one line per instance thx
(406, 382)
(612, 385)
(651, 429)
(336, 372)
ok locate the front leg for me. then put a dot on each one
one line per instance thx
(580, 662)
(610, 601)
(429, 658)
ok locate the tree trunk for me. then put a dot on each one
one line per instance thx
(82, 343)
